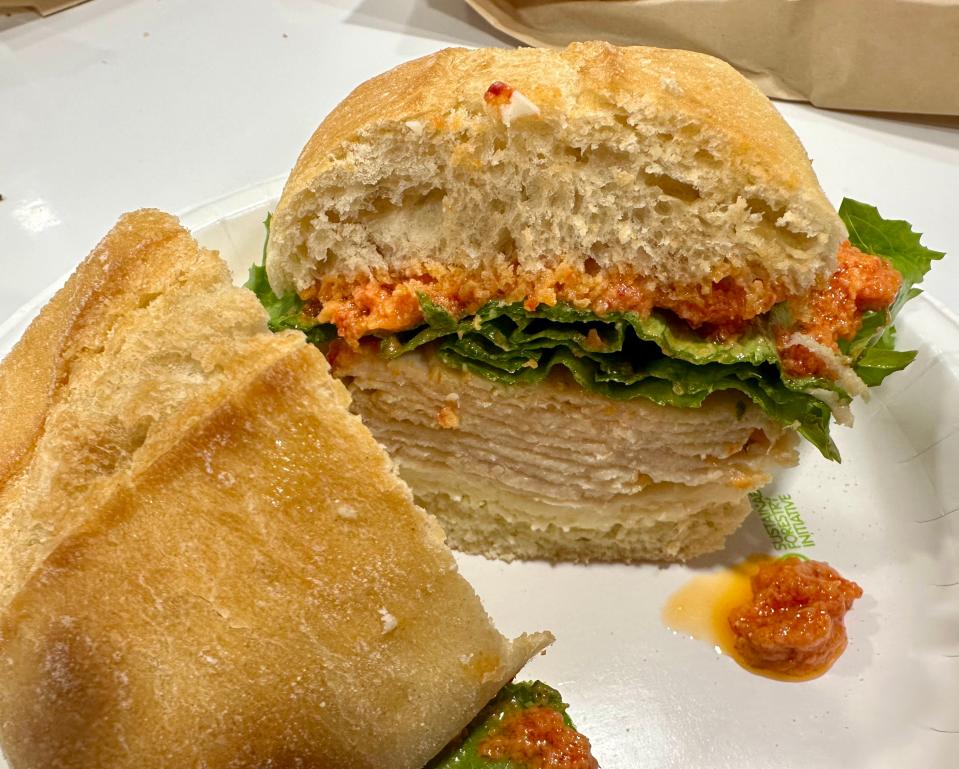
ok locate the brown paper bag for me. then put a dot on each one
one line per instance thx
(881, 55)
(43, 7)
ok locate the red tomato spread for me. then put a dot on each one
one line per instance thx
(498, 93)
(861, 283)
(794, 623)
(538, 738)
(381, 301)
(384, 302)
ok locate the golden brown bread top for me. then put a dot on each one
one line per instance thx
(36, 367)
(666, 165)
(145, 321)
(201, 570)
(574, 80)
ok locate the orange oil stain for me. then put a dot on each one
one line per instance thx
(701, 609)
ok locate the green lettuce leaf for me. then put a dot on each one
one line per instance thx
(513, 328)
(877, 364)
(621, 356)
(893, 239)
(285, 311)
(463, 753)
(871, 351)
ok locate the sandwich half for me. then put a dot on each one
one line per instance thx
(208, 561)
(588, 298)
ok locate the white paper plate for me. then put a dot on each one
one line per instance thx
(887, 518)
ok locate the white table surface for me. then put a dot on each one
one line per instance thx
(119, 104)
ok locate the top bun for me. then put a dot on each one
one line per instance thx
(662, 165)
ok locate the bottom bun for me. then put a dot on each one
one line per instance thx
(475, 528)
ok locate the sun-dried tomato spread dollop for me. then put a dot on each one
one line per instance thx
(498, 93)
(538, 738)
(794, 623)
(861, 283)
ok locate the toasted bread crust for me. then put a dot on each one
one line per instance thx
(36, 367)
(571, 80)
(200, 570)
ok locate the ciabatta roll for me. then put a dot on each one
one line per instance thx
(207, 560)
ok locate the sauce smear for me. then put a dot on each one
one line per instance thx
(538, 738)
(779, 618)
